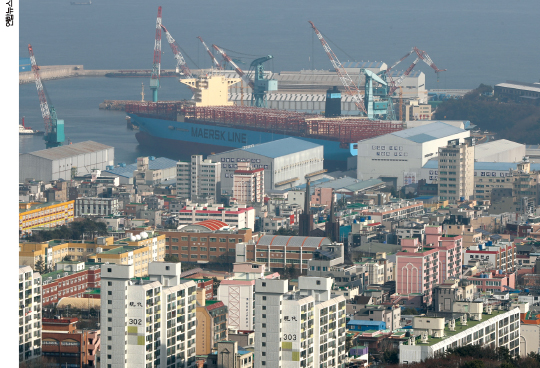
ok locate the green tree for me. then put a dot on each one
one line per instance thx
(40, 266)
(287, 232)
(409, 311)
(474, 364)
(171, 258)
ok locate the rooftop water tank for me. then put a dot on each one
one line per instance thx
(526, 290)
(369, 217)
(122, 164)
(362, 219)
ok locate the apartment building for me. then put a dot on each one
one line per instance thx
(456, 170)
(71, 279)
(449, 247)
(212, 318)
(68, 346)
(147, 322)
(329, 261)
(281, 251)
(304, 328)
(50, 253)
(490, 328)
(248, 184)
(395, 210)
(139, 251)
(450, 291)
(51, 214)
(500, 256)
(198, 180)
(29, 314)
(88, 206)
(470, 237)
(493, 281)
(238, 294)
(207, 241)
(239, 216)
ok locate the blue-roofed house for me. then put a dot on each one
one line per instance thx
(286, 163)
(125, 172)
(361, 325)
(398, 158)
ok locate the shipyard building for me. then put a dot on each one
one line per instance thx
(286, 163)
(397, 158)
(65, 162)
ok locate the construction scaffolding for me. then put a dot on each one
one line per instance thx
(344, 129)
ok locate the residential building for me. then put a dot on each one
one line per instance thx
(490, 328)
(29, 314)
(147, 322)
(395, 210)
(329, 261)
(68, 346)
(238, 294)
(449, 247)
(44, 215)
(493, 281)
(450, 291)
(390, 315)
(378, 271)
(280, 251)
(87, 206)
(456, 170)
(248, 184)
(133, 251)
(49, 253)
(229, 354)
(71, 279)
(207, 241)
(239, 216)
(397, 158)
(198, 180)
(286, 162)
(304, 328)
(211, 323)
(530, 332)
(500, 256)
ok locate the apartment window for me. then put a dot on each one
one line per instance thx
(264, 334)
(194, 249)
(203, 239)
(175, 240)
(109, 311)
(264, 307)
(263, 344)
(263, 353)
(263, 362)
(109, 269)
(109, 319)
(264, 316)
(109, 301)
(109, 328)
(109, 338)
(212, 249)
(213, 240)
(109, 283)
(264, 297)
(223, 240)
(264, 284)
(264, 325)
(109, 292)
(184, 248)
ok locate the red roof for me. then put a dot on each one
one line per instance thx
(212, 224)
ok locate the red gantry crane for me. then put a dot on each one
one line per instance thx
(156, 66)
(180, 61)
(350, 87)
(239, 71)
(214, 60)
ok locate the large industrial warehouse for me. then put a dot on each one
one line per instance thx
(286, 162)
(65, 161)
(398, 157)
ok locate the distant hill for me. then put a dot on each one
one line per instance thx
(516, 122)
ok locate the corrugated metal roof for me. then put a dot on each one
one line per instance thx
(428, 132)
(362, 64)
(397, 73)
(493, 166)
(159, 163)
(493, 147)
(281, 147)
(364, 184)
(70, 150)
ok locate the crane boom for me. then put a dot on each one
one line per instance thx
(398, 82)
(239, 71)
(180, 61)
(348, 83)
(45, 112)
(218, 65)
(400, 60)
(426, 59)
(156, 66)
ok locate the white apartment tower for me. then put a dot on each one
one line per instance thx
(198, 180)
(29, 314)
(147, 322)
(248, 184)
(304, 328)
(456, 170)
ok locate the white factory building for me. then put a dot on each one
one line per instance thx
(65, 162)
(137, 316)
(398, 158)
(286, 163)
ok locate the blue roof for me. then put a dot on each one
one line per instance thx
(361, 322)
(157, 164)
(428, 132)
(281, 147)
(397, 73)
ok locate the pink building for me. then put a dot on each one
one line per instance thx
(419, 268)
(248, 185)
(493, 281)
(322, 196)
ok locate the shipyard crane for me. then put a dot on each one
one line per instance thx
(348, 83)
(156, 66)
(54, 127)
(180, 61)
(214, 60)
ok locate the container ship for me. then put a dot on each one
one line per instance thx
(192, 127)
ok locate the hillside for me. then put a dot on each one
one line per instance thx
(516, 122)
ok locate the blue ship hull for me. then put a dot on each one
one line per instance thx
(187, 138)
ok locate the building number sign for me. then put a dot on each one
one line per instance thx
(289, 337)
(135, 321)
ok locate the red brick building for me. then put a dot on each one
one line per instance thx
(206, 284)
(67, 346)
(73, 280)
